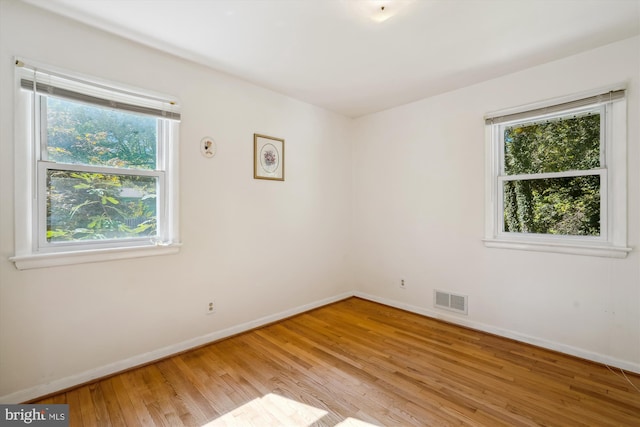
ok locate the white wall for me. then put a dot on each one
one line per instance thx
(419, 215)
(259, 248)
(398, 194)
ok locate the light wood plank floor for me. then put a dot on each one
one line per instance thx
(358, 363)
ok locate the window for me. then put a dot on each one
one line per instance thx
(556, 177)
(99, 170)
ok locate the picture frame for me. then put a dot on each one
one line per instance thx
(268, 157)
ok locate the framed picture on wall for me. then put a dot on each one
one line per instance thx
(268, 157)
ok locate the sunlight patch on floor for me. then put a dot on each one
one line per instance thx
(274, 410)
(270, 410)
(352, 422)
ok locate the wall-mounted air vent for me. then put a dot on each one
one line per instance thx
(449, 301)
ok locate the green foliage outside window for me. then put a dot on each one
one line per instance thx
(558, 205)
(88, 205)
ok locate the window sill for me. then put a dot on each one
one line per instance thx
(55, 259)
(562, 248)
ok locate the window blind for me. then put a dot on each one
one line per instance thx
(583, 102)
(70, 87)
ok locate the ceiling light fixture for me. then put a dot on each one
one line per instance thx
(378, 10)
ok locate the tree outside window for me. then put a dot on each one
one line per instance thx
(552, 176)
(85, 205)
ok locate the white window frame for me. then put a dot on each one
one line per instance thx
(612, 241)
(32, 250)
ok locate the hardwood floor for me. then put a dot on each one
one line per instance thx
(358, 363)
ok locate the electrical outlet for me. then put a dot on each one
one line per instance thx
(402, 284)
(211, 308)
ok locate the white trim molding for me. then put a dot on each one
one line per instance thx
(506, 333)
(560, 248)
(55, 259)
(612, 173)
(32, 84)
(161, 353)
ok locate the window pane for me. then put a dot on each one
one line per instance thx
(569, 143)
(564, 206)
(93, 206)
(85, 134)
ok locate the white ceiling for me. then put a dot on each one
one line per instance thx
(336, 54)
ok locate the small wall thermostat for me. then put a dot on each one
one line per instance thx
(208, 147)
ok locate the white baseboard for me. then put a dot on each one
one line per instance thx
(551, 345)
(142, 359)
